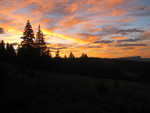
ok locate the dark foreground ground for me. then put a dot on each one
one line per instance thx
(31, 90)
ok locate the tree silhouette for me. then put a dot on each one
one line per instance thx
(27, 51)
(28, 35)
(71, 56)
(40, 43)
(84, 55)
(65, 56)
(10, 51)
(27, 47)
(2, 49)
(57, 54)
(49, 53)
(40, 37)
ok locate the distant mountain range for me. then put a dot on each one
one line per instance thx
(137, 58)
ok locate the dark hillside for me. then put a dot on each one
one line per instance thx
(78, 85)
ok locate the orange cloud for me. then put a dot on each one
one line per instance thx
(119, 38)
(70, 21)
(73, 7)
(113, 3)
(126, 20)
(118, 12)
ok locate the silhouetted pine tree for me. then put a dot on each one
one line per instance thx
(71, 56)
(2, 49)
(41, 44)
(65, 56)
(27, 45)
(28, 35)
(10, 51)
(49, 53)
(57, 54)
(84, 55)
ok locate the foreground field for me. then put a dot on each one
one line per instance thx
(44, 92)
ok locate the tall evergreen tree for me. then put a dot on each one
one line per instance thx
(40, 38)
(41, 44)
(2, 49)
(71, 56)
(27, 45)
(28, 35)
(57, 54)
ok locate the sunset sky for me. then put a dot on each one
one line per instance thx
(101, 28)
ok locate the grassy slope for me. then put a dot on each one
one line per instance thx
(38, 91)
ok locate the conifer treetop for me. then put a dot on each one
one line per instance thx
(57, 54)
(40, 37)
(28, 35)
(71, 55)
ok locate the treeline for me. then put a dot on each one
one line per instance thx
(83, 66)
(6, 49)
(32, 46)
